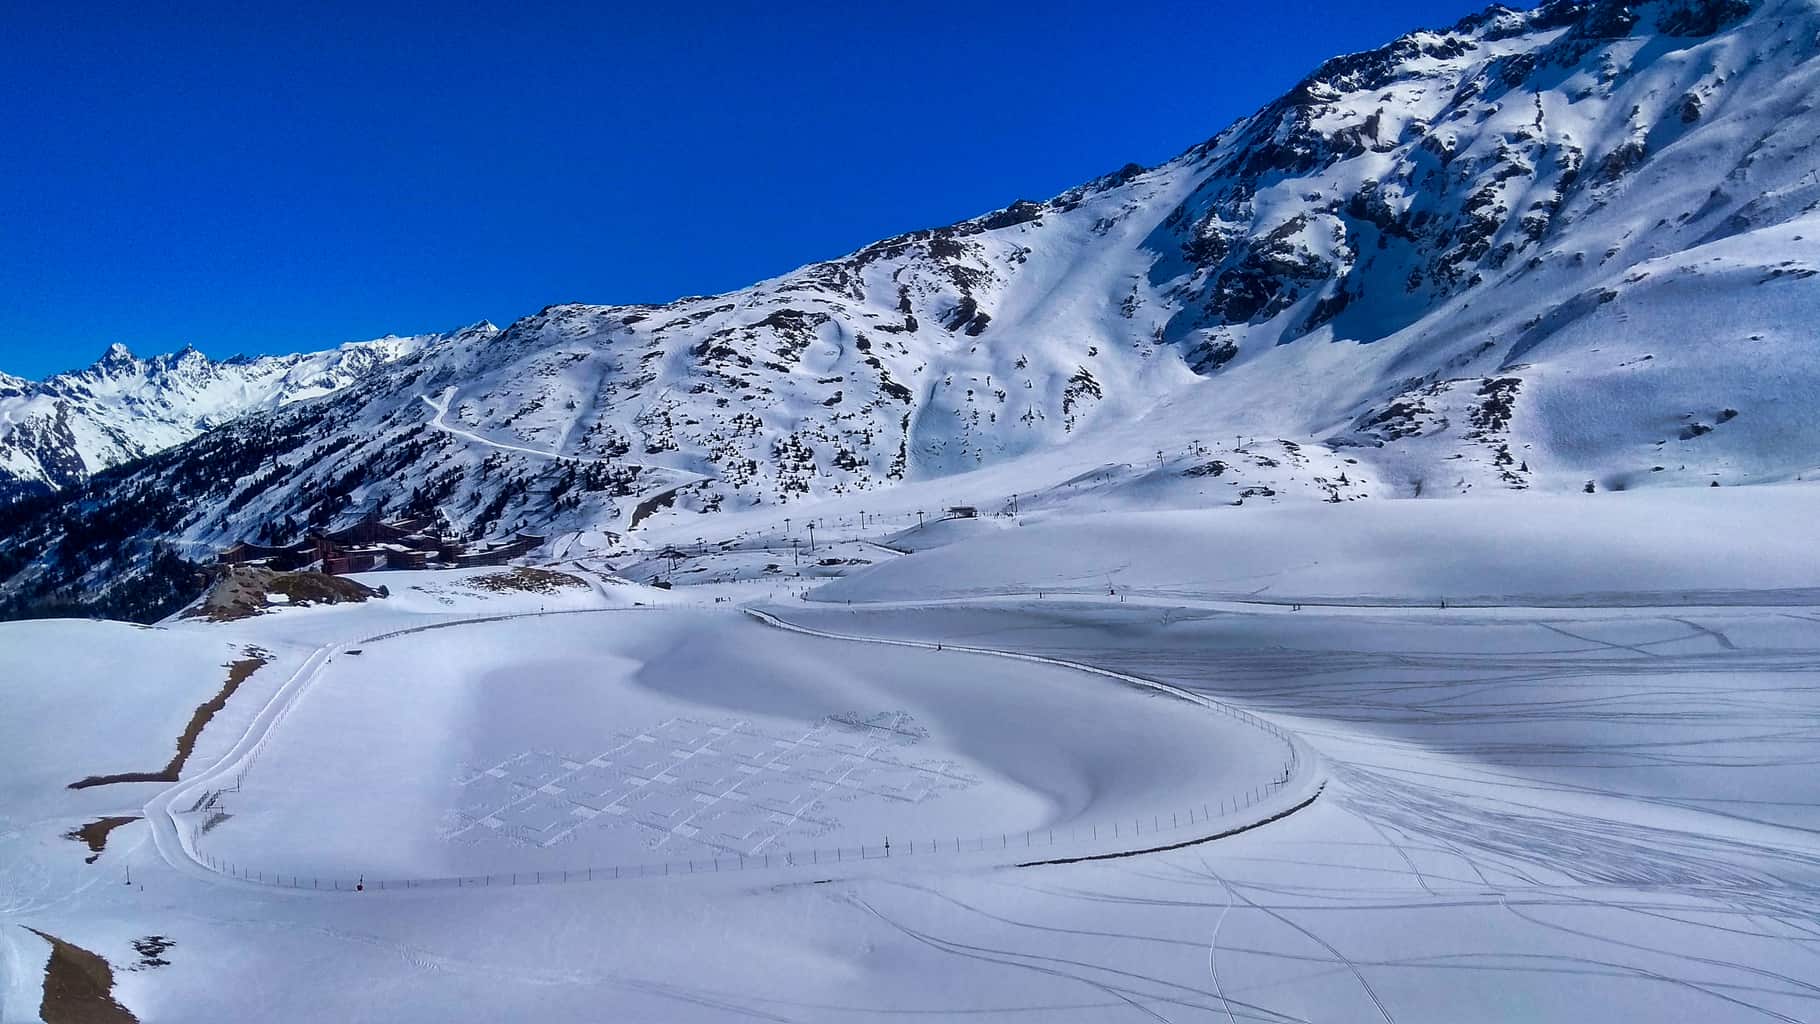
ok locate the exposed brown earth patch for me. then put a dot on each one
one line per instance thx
(79, 987)
(94, 834)
(243, 591)
(238, 672)
(527, 580)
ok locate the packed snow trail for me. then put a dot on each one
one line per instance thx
(440, 422)
(682, 477)
(179, 851)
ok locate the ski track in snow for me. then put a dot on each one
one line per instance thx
(180, 852)
(1521, 825)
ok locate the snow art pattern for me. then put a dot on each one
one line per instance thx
(690, 785)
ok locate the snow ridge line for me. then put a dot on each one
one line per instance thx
(1319, 788)
(1303, 764)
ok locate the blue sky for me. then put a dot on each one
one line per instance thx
(252, 178)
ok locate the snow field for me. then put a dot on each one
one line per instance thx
(1713, 546)
(1531, 812)
(644, 738)
(1535, 814)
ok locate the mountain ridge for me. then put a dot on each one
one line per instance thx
(60, 429)
(1569, 248)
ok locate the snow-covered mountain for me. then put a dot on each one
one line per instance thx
(1561, 249)
(58, 431)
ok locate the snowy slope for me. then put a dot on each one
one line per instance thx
(1661, 548)
(1567, 248)
(58, 431)
(1534, 814)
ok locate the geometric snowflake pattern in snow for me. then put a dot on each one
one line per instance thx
(689, 785)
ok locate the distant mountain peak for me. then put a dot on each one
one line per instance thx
(117, 356)
(57, 431)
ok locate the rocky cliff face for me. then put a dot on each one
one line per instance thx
(1542, 249)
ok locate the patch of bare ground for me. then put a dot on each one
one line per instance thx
(528, 580)
(238, 672)
(79, 987)
(94, 834)
(243, 591)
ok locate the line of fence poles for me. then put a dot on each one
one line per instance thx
(1108, 837)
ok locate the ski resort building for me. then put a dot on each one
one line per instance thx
(282, 557)
(371, 543)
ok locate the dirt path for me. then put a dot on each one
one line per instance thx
(238, 672)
